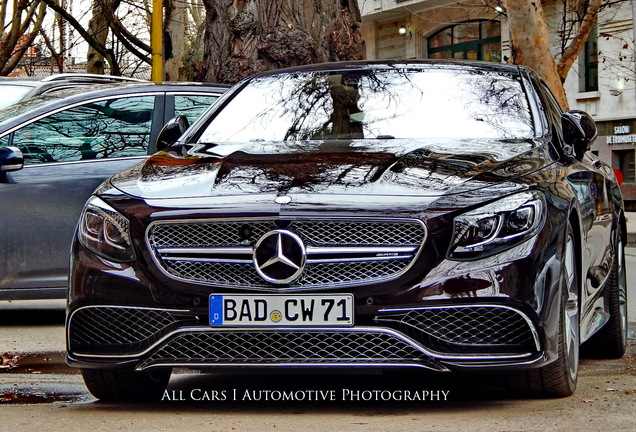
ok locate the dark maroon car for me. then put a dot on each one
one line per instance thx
(425, 215)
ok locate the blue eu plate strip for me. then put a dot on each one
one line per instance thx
(216, 310)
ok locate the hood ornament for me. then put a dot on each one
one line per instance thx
(279, 256)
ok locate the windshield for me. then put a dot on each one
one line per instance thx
(382, 104)
(12, 93)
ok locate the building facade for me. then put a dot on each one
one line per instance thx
(602, 81)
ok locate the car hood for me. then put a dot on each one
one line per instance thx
(362, 167)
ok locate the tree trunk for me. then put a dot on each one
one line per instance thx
(175, 28)
(95, 45)
(530, 43)
(98, 29)
(249, 36)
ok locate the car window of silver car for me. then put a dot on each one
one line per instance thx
(12, 94)
(96, 130)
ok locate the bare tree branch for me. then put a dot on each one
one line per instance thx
(118, 28)
(124, 39)
(13, 47)
(108, 53)
(573, 49)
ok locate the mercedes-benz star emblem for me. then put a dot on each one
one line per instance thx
(279, 256)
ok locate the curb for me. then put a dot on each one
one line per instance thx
(631, 239)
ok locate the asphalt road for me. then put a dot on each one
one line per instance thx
(605, 400)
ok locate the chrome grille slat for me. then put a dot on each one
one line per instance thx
(235, 274)
(339, 251)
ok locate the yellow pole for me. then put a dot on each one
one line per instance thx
(156, 41)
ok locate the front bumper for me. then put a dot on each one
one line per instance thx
(438, 338)
(494, 313)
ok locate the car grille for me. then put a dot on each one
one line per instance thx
(406, 337)
(466, 329)
(244, 275)
(119, 330)
(339, 251)
(309, 347)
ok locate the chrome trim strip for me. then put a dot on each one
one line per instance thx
(391, 332)
(210, 260)
(310, 250)
(210, 250)
(360, 249)
(441, 368)
(489, 365)
(533, 329)
(366, 259)
(162, 269)
(51, 164)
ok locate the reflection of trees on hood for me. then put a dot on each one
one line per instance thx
(307, 171)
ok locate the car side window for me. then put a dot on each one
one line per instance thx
(101, 129)
(192, 106)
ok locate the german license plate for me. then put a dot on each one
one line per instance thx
(281, 310)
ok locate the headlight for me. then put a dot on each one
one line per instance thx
(105, 231)
(497, 226)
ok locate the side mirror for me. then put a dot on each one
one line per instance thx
(172, 131)
(579, 130)
(11, 159)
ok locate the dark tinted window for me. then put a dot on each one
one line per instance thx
(103, 129)
(437, 103)
(192, 106)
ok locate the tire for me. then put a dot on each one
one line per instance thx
(124, 385)
(610, 341)
(559, 378)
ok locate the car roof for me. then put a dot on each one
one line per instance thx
(63, 78)
(33, 86)
(43, 103)
(396, 64)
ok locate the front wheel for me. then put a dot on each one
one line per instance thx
(125, 385)
(610, 342)
(559, 378)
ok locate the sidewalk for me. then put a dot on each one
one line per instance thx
(631, 228)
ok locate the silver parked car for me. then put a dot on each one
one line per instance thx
(54, 150)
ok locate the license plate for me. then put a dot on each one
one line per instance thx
(281, 310)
